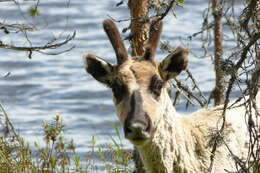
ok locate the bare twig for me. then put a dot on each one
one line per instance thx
(39, 48)
(164, 14)
(211, 25)
(242, 62)
(18, 26)
(121, 20)
(220, 132)
(158, 16)
(196, 85)
(14, 0)
(182, 88)
(166, 46)
(252, 41)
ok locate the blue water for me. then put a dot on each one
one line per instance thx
(44, 86)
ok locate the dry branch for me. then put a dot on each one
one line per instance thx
(164, 14)
(184, 90)
(242, 63)
(18, 26)
(30, 49)
(14, 0)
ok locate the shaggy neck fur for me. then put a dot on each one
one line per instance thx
(180, 143)
(167, 152)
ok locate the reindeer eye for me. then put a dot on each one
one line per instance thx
(156, 86)
(119, 90)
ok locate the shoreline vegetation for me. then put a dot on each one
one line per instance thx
(58, 154)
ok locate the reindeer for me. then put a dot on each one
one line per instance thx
(167, 141)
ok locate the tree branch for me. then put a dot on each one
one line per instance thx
(49, 45)
(164, 14)
(252, 41)
(17, 26)
(14, 0)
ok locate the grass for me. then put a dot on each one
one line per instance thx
(58, 154)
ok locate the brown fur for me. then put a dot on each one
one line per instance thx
(116, 41)
(154, 38)
(175, 143)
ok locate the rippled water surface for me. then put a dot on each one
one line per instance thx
(39, 88)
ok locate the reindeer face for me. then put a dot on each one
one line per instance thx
(137, 97)
(138, 85)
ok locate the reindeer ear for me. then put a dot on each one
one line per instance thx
(174, 63)
(101, 70)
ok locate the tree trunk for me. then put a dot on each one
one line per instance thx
(139, 25)
(218, 92)
(140, 32)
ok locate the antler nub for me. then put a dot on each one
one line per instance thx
(154, 39)
(116, 41)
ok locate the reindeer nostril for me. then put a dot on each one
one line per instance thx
(128, 130)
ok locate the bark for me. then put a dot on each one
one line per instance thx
(140, 32)
(139, 25)
(257, 65)
(218, 92)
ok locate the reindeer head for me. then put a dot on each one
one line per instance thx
(139, 85)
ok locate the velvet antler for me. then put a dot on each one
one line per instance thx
(116, 41)
(154, 39)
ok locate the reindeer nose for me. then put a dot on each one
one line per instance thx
(137, 131)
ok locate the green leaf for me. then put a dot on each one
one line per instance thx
(180, 1)
(53, 162)
(33, 11)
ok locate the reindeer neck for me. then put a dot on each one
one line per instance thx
(168, 151)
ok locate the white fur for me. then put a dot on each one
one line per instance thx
(180, 143)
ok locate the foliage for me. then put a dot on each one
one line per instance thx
(59, 154)
(180, 1)
(33, 11)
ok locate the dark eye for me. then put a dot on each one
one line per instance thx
(119, 90)
(156, 86)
